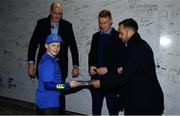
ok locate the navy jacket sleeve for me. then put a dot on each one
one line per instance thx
(133, 57)
(111, 83)
(73, 47)
(92, 54)
(33, 44)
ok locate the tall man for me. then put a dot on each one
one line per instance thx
(54, 23)
(143, 92)
(103, 58)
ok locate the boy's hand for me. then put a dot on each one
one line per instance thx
(74, 84)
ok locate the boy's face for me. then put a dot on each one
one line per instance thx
(53, 48)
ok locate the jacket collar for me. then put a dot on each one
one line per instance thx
(133, 39)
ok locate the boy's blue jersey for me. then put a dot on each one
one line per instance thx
(49, 71)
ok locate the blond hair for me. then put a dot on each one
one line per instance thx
(105, 13)
(56, 4)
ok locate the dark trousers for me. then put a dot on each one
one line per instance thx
(97, 102)
(62, 99)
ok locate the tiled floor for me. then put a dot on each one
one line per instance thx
(15, 110)
(10, 106)
(9, 110)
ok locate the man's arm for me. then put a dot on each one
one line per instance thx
(74, 52)
(92, 52)
(33, 45)
(73, 47)
(110, 83)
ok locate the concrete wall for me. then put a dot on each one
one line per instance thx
(158, 24)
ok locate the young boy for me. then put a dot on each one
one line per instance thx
(49, 82)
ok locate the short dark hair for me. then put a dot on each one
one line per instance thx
(105, 13)
(131, 23)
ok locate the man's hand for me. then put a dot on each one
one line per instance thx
(96, 83)
(102, 70)
(120, 70)
(75, 72)
(31, 70)
(93, 70)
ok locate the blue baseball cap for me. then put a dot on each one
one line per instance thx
(51, 38)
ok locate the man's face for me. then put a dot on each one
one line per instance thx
(53, 48)
(104, 23)
(56, 14)
(123, 33)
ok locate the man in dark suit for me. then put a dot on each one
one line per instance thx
(54, 24)
(143, 94)
(103, 56)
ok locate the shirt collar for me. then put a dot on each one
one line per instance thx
(108, 31)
